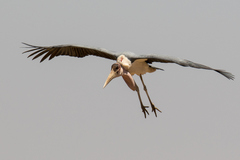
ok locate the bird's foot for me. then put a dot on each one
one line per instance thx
(154, 109)
(144, 110)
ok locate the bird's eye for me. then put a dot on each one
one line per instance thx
(115, 67)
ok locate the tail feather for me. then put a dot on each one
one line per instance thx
(156, 68)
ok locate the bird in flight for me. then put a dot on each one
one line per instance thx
(127, 64)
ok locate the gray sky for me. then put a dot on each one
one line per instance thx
(57, 110)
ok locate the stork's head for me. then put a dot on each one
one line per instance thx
(116, 71)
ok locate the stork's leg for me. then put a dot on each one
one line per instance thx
(142, 106)
(152, 105)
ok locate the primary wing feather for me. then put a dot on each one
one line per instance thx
(69, 50)
(182, 62)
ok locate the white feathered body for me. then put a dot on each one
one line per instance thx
(138, 67)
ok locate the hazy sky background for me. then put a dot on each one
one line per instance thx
(57, 110)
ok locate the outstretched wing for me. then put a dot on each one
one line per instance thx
(182, 62)
(69, 50)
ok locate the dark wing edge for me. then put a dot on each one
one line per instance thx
(69, 50)
(182, 62)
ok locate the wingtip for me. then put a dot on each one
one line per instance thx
(228, 75)
(29, 45)
(26, 44)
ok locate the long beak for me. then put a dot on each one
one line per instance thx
(111, 76)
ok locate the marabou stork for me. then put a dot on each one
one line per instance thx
(126, 66)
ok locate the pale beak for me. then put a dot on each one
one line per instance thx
(111, 76)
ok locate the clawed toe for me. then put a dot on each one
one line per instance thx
(144, 110)
(154, 109)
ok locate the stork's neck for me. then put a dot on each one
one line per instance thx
(124, 61)
(128, 79)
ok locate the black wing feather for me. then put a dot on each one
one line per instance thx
(68, 50)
